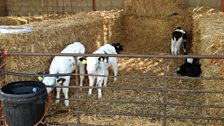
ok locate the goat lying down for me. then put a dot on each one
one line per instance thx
(191, 68)
(65, 65)
(100, 65)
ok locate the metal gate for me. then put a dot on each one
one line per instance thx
(164, 103)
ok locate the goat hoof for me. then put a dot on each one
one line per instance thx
(99, 96)
(66, 103)
(57, 101)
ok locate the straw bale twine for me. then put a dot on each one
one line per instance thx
(153, 8)
(208, 39)
(92, 29)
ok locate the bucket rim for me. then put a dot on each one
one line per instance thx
(22, 97)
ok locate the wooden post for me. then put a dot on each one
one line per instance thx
(222, 6)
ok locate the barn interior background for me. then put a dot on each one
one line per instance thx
(32, 7)
(138, 97)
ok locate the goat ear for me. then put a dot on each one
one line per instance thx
(61, 80)
(118, 47)
(40, 78)
(83, 60)
(178, 27)
(101, 59)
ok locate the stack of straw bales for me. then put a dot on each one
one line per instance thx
(148, 26)
(208, 39)
(154, 8)
(153, 21)
(92, 29)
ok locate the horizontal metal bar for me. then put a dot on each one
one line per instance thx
(196, 117)
(196, 91)
(117, 55)
(151, 115)
(147, 89)
(112, 101)
(143, 102)
(73, 124)
(196, 106)
(123, 76)
(116, 113)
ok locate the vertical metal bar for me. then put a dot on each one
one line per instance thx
(94, 5)
(57, 6)
(52, 6)
(2, 79)
(165, 93)
(77, 93)
(42, 6)
(2, 76)
(71, 6)
(63, 2)
(111, 4)
(222, 5)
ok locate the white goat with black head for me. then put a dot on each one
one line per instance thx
(100, 65)
(65, 65)
(178, 39)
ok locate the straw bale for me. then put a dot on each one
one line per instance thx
(153, 8)
(8, 21)
(92, 29)
(13, 20)
(208, 39)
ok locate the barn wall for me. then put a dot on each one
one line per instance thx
(210, 3)
(36, 7)
(3, 11)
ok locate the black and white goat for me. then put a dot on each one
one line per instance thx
(191, 68)
(178, 39)
(100, 65)
(65, 65)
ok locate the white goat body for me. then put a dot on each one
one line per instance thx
(178, 40)
(65, 65)
(100, 65)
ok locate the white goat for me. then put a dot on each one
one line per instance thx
(65, 65)
(178, 40)
(100, 65)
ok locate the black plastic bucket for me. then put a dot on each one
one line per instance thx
(23, 102)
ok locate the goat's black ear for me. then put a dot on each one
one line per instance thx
(118, 47)
(83, 60)
(178, 27)
(196, 60)
(101, 59)
(61, 80)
